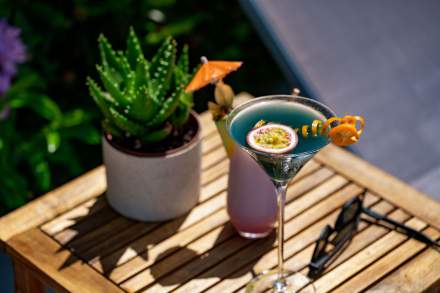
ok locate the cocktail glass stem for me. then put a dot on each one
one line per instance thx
(281, 188)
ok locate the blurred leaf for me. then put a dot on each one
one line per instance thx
(176, 28)
(26, 81)
(41, 171)
(14, 190)
(86, 133)
(53, 140)
(41, 104)
(75, 117)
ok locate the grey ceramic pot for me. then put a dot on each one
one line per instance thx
(153, 187)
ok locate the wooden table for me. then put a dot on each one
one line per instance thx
(71, 240)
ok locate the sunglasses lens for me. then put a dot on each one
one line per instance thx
(345, 227)
(345, 233)
(321, 243)
(349, 213)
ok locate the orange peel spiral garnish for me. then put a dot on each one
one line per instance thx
(347, 132)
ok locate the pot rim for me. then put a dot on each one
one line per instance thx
(169, 153)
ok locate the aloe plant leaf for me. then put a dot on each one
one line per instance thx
(168, 107)
(99, 97)
(111, 87)
(180, 115)
(130, 87)
(125, 65)
(180, 78)
(110, 128)
(126, 124)
(144, 106)
(183, 61)
(160, 54)
(108, 55)
(115, 76)
(143, 75)
(186, 99)
(157, 135)
(96, 89)
(162, 67)
(134, 50)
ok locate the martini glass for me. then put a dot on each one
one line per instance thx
(293, 111)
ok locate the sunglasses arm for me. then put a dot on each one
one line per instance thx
(400, 227)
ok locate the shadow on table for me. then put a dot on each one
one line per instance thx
(103, 238)
(220, 261)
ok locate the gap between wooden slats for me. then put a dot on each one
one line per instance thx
(85, 225)
(419, 274)
(322, 191)
(298, 249)
(387, 264)
(97, 250)
(299, 232)
(68, 219)
(298, 262)
(312, 166)
(135, 263)
(364, 258)
(297, 207)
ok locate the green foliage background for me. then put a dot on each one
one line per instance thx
(53, 133)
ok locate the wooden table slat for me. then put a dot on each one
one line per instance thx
(298, 250)
(386, 264)
(83, 227)
(145, 278)
(293, 226)
(52, 204)
(68, 219)
(382, 183)
(364, 258)
(302, 186)
(420, 274)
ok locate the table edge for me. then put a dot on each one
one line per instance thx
(19, 246)
(53, 203)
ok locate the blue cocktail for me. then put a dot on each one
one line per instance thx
(294, 112)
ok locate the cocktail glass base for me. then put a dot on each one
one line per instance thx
(291, 282)
(250, 235)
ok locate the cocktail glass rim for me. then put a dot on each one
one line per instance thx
(293, 98)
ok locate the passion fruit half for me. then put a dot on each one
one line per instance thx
(272, 138)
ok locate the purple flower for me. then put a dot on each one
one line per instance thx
(12, 52)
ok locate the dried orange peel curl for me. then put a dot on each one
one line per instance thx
(347, 132)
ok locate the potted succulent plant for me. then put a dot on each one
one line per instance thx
(151, 143)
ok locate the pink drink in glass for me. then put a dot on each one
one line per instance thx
(251, 201)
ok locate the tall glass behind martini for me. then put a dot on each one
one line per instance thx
(292, 111)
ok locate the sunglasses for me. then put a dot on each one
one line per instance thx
(333, 240)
